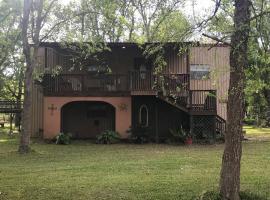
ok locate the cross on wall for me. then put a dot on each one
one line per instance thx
(52, 108)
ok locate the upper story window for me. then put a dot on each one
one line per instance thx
(199, 72)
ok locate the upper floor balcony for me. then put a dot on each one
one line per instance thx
(175, 87)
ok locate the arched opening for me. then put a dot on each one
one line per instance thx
(86, 119)
(143, 116)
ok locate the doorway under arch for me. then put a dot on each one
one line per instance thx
(87, 119)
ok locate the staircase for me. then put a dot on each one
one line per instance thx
(200, 104)
(7, 106)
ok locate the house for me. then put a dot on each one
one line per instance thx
(117, 89)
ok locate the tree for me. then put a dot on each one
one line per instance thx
(257, 92)
(35, 16)
(9, 32)
(230, 172)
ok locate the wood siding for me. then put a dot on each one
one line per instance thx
(37, 111)
(177, 63)
(161, 117)
(218, 60)
(37, 99)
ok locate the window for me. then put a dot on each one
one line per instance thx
(143, 116)
(199, 72)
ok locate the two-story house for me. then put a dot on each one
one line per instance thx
(121, 90)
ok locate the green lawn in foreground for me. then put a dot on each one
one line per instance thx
(89, 171)
(258, 133)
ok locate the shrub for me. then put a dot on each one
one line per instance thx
(63, 138)
(140, 135)
(249, 121)
(178, 135)
(108, 137)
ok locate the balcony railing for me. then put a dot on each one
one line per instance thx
(84, 84)
(7, 106)
(203, 100)
(175, 85)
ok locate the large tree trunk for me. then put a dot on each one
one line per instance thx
(230, 172)
(19, 99)
(26, 115)
(30, 54)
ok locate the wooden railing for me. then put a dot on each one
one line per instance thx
(146, 81)
(84, 84)
(7, 106)
(141, 81)
(203, 100)
(176, 84)
(220, 125)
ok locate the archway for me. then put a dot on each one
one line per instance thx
(86, 119)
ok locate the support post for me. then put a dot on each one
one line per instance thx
(191, 125)
(156, 119)
(10, 124)
(214, 128)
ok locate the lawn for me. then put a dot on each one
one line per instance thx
(124, 171)
(257, 133)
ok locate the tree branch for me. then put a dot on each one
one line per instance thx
(218, 40)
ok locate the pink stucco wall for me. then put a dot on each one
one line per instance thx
(52, 119)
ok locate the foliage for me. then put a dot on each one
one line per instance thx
(179, 135)
(108, 137)
(257, 80)
(257, 88)
(140, 135)
(63, 138)
(249, 121)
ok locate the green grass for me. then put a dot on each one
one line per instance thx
(124, 171)
(257, 133)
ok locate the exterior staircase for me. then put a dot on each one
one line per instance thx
(7, 106)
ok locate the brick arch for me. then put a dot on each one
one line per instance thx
(52, 117)
(87, 119)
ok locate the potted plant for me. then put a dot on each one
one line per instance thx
(180, 135)
(188, 139)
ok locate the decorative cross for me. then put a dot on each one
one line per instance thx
(52, 108)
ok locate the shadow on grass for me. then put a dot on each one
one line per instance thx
(244, 195)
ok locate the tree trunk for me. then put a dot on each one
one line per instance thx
(230, 171)
(19, 99)
(31, 62)
(26, 115)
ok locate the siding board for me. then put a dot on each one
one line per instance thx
(218, 60)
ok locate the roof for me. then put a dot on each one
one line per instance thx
(133, 44)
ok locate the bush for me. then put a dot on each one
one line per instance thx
(140, 135)
(108, 137)
(249, 121)
(63, 138)
(178, 135)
